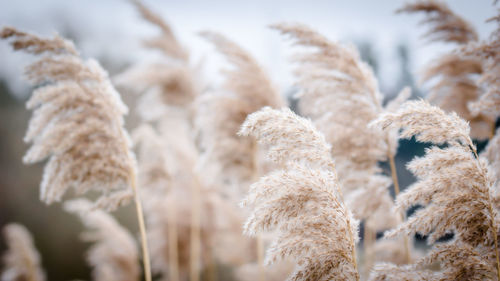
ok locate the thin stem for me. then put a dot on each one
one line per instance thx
(493, 129)
(490, 209)
(173, 252)
(492, 225)
(211, 265)
(395, 181)
(195, 233)
(368, 242)
(259, 239)
(142, 229)
(260, 256)
(394, 174)
(348, 221)
(209, 254)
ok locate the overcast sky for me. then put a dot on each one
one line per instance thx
(112, 28)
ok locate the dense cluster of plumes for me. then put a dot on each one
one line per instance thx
(454, 76)
(454, 189)
(302, 200)
(77, 123)
(308, 182)
(339, 92)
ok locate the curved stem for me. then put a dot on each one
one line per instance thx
(368, 242)
(142, 229)
(348, 221)
(490, 209)
(260, 257)
(173, 252)
(492, 130)
(395, 181)
(195, 233)
(494, 229)
(259, 239)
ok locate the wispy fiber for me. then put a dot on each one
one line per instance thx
(166, 42)
(452, 76)
(444, 24)
(21, 261)
(228, 158)
(167, 82)
(301, 201)
(113, 255)
(454, 189)
(488, 52)
(77, 123)
(339, 92)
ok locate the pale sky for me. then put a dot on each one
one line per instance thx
(113, 28)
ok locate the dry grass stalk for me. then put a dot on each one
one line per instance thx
(339, 92)
(170, 89)
(444, 24)
(492, 155)
(228, 158)
(166, 173)
(78, 124)
(114, 254)
(22, 260)
(454, 75)
(170, 86)
(302, 201)
(155, 176)
(488, 52)
(166, 83)
(166, 42)
(165, 237)
(454, 188)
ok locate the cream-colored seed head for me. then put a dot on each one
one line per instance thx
(339, 93)
(454, 188)
(21, 261)
(452, 76)
(487, 52)
(77, 123)
(229, 159)
(301, 201)
(169, 83)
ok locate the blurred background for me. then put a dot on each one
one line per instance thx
(111, 31)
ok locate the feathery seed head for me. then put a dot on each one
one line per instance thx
(77, 123)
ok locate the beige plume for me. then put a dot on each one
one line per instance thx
(452, 76)
(77, 123)
(22, 260)
(454, 189)
(488, 53)
(228, 158)
(339, 92)
(302, 202)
